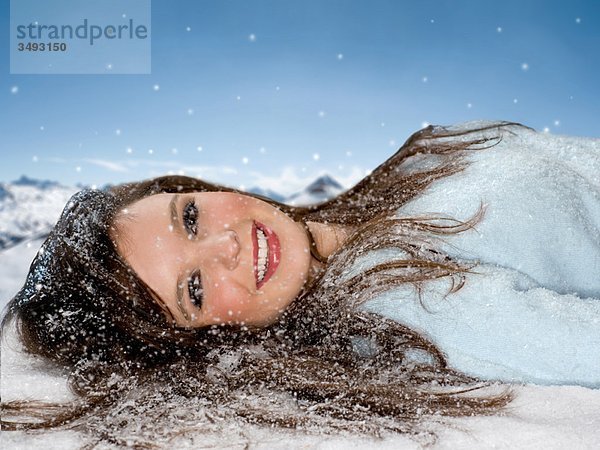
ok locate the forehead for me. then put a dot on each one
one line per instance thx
(147, 214)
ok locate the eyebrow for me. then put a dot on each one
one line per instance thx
(180, 299)
(180, 282)
(174, 214)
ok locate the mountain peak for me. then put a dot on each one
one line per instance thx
(42, 184)
(323, 184)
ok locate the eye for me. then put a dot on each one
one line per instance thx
(190, 217)
(195, 290)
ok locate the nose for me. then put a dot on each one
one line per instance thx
(222, 248)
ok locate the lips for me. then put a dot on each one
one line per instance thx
(273, 254)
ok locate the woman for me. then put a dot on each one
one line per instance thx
(365, 312)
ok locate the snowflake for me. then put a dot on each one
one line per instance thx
(252, 37)
(156, 87)
(321, 113)
(245, 160)
(340, 56)
(188, 28)
(316, 156)
(14, 90)
(199, 148)
(525, 67)
(499, 29)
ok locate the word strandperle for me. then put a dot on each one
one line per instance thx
(83, 31)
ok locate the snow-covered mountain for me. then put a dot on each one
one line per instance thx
(29, 208)
(267, 193)
(323, 188)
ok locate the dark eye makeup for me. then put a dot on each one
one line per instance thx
(195, 289)
(190, 217)
(190, 222)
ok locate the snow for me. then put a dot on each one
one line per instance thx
(540, 417)
(29, 208)
(531, 313)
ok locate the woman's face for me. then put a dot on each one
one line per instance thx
(215, 257)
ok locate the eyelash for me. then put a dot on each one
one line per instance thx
(190, 221)
(190, 217)
(195, 290)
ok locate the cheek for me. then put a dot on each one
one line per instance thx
(229, 302)
(226, 211)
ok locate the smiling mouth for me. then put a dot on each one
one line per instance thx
(266, 253)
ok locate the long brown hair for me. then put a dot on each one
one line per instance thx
(84, 309)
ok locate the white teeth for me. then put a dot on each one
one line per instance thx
(262, 254)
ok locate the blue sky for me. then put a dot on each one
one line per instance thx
(274, 93)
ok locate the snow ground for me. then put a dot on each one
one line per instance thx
(550, 417)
